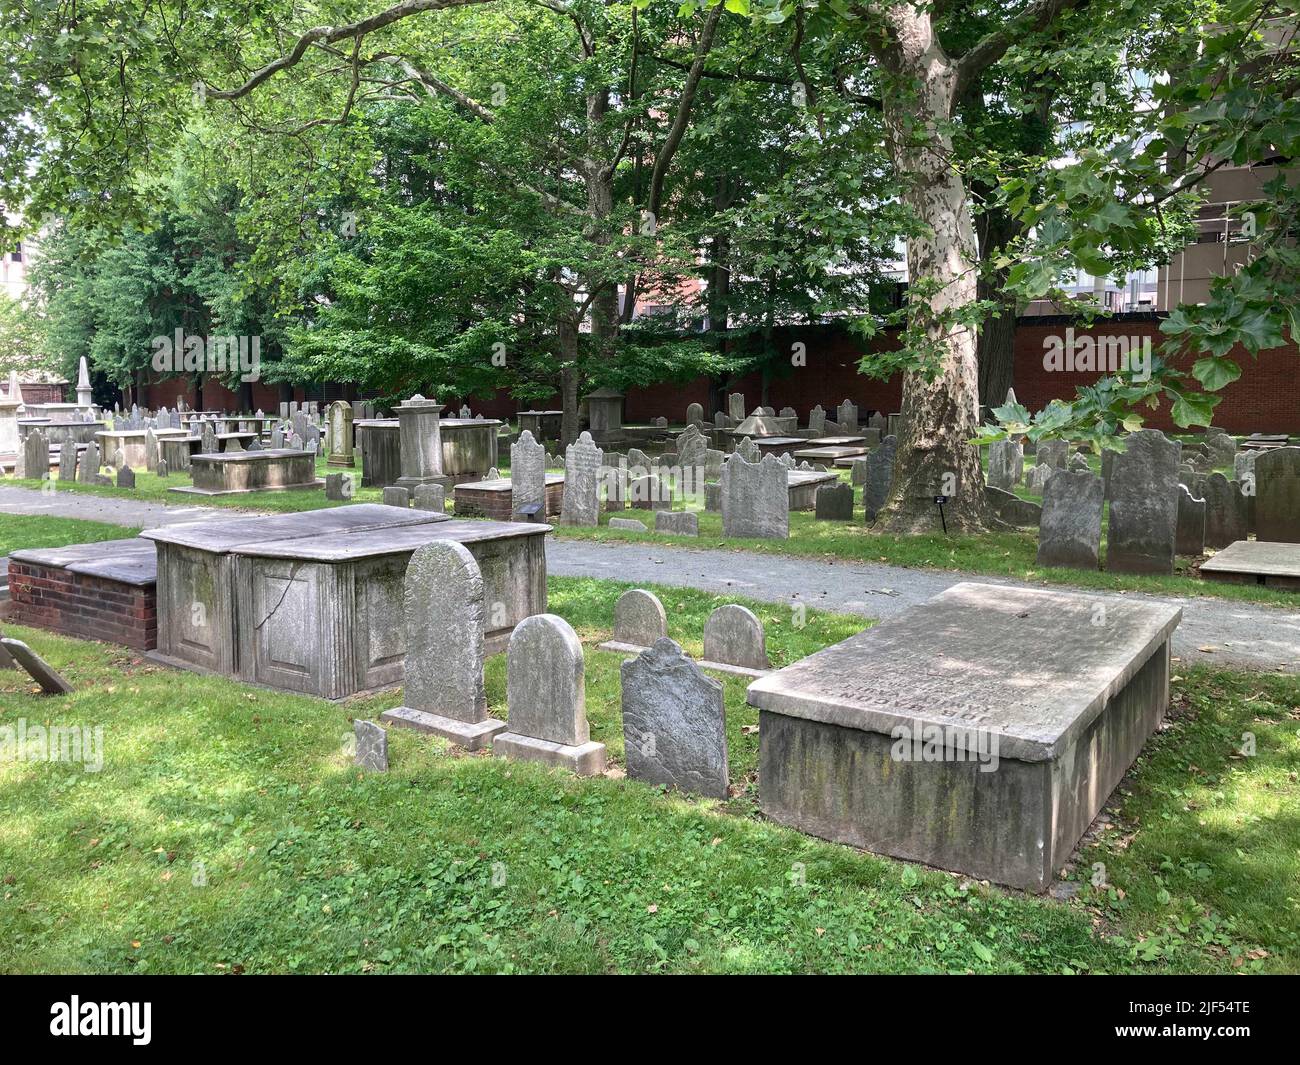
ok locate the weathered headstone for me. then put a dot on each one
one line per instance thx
(1225, 512)
(339, 416)
(755, 498)
(879, 476)
(736, 406)
(733, 636)
(89, 465)
(336, 488)
(847, 417)
(817, 420)
(1143, 522)
(1006, 464)
(546, 692)
(582, 463)
(527, 477)
(1054, 453)
(396, 496)
(1277, 495)
(372, 746)
(67, 461)
(694, 413)
(1069, 531)
(125, 477)
(36, 455)
(834, 502)
(443, 691)
(1191, 523)
(430, 497)
(1036, 478)
(49, 678)
(677, 522)
(674, 722)
(630, 524)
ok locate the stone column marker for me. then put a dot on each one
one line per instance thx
(546, 690)
(674, 722)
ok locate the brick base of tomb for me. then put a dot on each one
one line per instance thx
(81, 605)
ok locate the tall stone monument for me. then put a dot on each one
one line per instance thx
(341, 443)
(420, 443)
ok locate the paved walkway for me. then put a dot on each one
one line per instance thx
(1242, 635)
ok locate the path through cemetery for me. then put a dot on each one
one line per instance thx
(1213, 631)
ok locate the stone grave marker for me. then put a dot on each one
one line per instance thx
(846, 415)
(674, 722)
(879, 476)
(50, 679)
(817, 420)
(1006, 464)
(430, 497)
(372, 746)
(694, 413)
(1143, 523)
(335, 487)
(736, 406)
(125, 477)
(1277, 495)
(396, 496)
(582, 464)
(1069, 531)
(677, 522)
(1225, 512)
(755, 498)
(628, 523)
(527, 478)
(733, 636)
(1191, 523)
(834, 502)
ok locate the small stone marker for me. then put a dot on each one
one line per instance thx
(546, 691)
(125, 477)
(1054, 453)
(1036, 479)
(677, 522)
(1143, 521)
(430, 497)
(443, 688)
(335, 488)
(639, 620)
(733, 636)
(372, 746)
(1069, 531)
(1191, 523)
(397, 496)
(162, 469)
(628, 523)
(674, 722)
(49, 678)
(1225, 512)
(834, 502)
(1006, 464)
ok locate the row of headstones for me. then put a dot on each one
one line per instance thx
(846, 417)
(1153, 515)
(673, 713)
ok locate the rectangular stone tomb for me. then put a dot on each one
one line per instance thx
(980, 732)
(251, 471)
(492, 499)
(779, 445)
(803, 485)
(99, 591)
(314, 602)
(469, 449)
(131, 442)
(1275, 565)
(830, 455)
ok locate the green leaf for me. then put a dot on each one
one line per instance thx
(1214, 372)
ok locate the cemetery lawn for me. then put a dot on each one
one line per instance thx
(20, 530)
(227, 832)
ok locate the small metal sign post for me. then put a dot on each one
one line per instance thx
(939, 502)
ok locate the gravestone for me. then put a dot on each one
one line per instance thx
(692, 449)
(335, 487)
(36, 455)
(163, 470)
(846, 415)
(527, 477)
(1006, 464)
(396, 496)
(443, 688)
(1054, 453)
(748, 450)
(733, 636)
(430, 497)
(1243, 466)
(694, 413)
(1143, 497)
(834, 502)
(372, 746)
(67, 461)
(877, 422)
(736, 406)
(1225, 512)
(674, 722)
(858, 472)
(208, 442)
(755, 498)
(339, 417)
(546, 693)
(88, 467)
(151, 451)
(879, 476)
(817, 420)
(1036, 479)
(1277, 495)
(1069, 531)
(649, 493)
(50, 679)
(1191, 523)
(677, 522)
(582, 463)
(628, 523)
(639, 619)
(125, 477)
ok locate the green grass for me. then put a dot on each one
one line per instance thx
(20, 530)
(227, 832)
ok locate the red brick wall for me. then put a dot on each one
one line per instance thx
(92, 608)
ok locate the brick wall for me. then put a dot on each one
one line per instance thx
(93, 608)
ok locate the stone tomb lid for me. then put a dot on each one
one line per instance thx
(1263, 558)
(840, 441)
(798, 478)
(502, 484)
(393, 540)
(461, 423)
(819, 454)
(130, 561)
(249, 456)
(1032, 667)
(220, 535)
(761, 442)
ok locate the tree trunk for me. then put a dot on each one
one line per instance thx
(940, 412)
(995, 350)
(570, 378)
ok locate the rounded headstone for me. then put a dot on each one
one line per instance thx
(639, 618)
(545, 681)
(734, 635)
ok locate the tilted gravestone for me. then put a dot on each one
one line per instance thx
(1277, 495)
(582, 463)
(1225, 512)
(1143, 498)
(1069, 531)
(631, 524)
(527, 477)
(833, 502)
(733, 636)
(674, 722)
(1006, 464)
(546, 693)
(50, 679)
(371, 746)
(1191, 523)
(431, 497)
(879, 477)
(755, 498)
(443, 689)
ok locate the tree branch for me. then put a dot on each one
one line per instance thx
(1037, 16)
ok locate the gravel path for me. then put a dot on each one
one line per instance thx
(1243, 635)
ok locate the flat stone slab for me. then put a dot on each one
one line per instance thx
(228, 534)
(391, 540)
(50, 679)
(1050, 694)
(584, 759)
(827, 454)
(473, 736)
(1269, 563)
